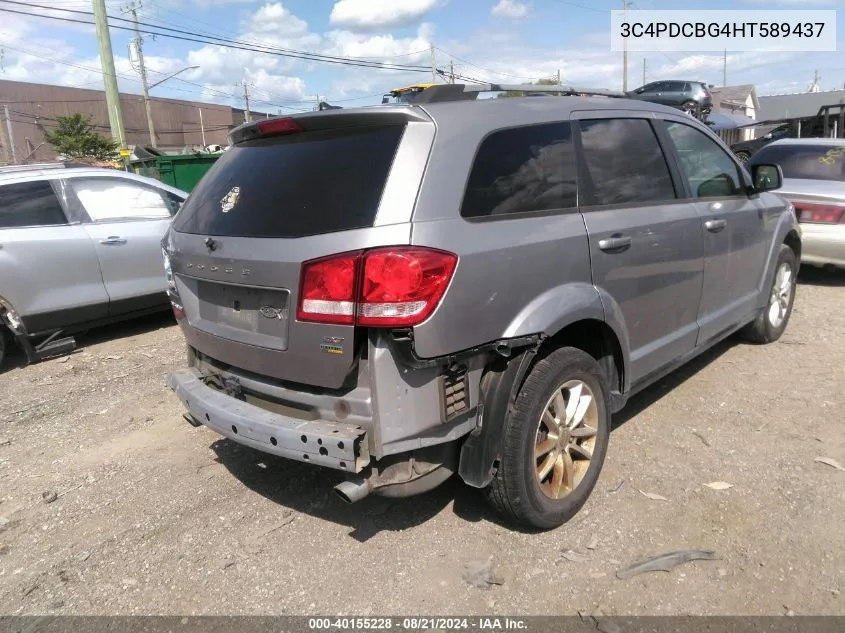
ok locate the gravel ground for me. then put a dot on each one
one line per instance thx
(153, 516)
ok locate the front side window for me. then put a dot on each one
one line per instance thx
(523, 169)
(30, 204)
(625, 162)
(113, 199)
(711, 172)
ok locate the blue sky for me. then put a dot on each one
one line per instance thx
(493, 40)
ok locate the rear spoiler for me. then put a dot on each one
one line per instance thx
(333, 118)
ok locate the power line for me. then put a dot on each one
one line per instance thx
(581, 6)
(264, 43)
(218, 41)
(487, 70)
(205, 89)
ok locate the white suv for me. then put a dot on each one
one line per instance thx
(79, 246)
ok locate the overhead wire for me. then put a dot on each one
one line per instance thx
(264, 43)
(181, 34)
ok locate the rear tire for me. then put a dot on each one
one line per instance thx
(771, 323)
(561, 416)
(689, 107)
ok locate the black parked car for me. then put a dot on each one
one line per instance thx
(689, 96)
(746, 149)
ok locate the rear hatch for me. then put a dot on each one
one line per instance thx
(290, 191)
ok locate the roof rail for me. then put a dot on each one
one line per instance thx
(470, 92)
(31, 167)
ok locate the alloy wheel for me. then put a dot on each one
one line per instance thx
(566, 438)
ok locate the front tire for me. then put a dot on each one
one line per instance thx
(771, 323)
(2, 345)
(743, 156)
(554, 441)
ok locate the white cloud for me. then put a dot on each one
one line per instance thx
(373, 15)
(511, 9)
(205, 4)
(384, 46)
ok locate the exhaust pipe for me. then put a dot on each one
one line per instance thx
(353, 490)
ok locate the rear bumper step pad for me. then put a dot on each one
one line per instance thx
(322, 442)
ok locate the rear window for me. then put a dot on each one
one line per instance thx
(814, 162)
(294, 186)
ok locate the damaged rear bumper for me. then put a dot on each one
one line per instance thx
(325, 443)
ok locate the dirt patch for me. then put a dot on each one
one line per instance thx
(153, 516)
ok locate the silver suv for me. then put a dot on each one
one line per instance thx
(466, 285)
(79, 247)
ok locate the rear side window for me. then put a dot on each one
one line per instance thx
(30, 204)
(624, 162)
(294, 186)
(814, 162)
(523, 169)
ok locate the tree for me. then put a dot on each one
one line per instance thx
(74, 137)
(539, 82)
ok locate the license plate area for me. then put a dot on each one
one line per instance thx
(249, 314)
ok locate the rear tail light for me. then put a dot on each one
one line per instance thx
(263, 128)
(328, 290)
(274, 127)
(820, 213)
(383, 287)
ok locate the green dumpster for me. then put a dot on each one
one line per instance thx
(182, 171)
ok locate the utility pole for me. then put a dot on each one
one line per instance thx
(109, 75)
(4, 137)
(725, 69)
(247, 117)
(433, 66)
(644, 70)
(451, 72)
(10, 134)
(202, 128)
(557, 77)
(142, 69)
(625, 50)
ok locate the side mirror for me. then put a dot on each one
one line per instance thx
(766, 177)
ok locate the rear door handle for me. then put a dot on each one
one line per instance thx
(113, 239)
(714, 226)
(615, 244)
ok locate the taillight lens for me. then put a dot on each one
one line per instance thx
(820, 213)
(402, 287)
(327, 293)
(384, 287)
(273, 127)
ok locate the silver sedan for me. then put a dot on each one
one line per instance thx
(814, 181)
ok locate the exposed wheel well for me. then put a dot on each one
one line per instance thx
(794, 242)
(597, 339)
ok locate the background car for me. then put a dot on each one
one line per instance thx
(79, 246)
(746, 149)
(686, 95)
(814, 181)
